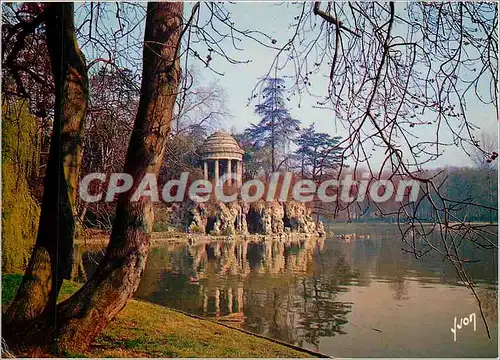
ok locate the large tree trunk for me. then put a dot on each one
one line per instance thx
(83, 316)
(51, 259)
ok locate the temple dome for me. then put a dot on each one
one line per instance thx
(221, 145)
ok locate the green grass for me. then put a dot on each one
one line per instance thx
(143, 329)
(10, 283)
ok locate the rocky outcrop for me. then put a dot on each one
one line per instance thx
(228, 219)
(190, 216)
(238, 217)
(265, 218)
(298, 218)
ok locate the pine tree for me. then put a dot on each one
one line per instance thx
(317, 152)
(277, 127)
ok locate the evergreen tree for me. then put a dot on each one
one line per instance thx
(317, 152)
(277, 127)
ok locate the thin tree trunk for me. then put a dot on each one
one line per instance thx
(273, 149)
(51, 259)
(83, 316)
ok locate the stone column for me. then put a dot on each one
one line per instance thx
(205, 170)
(228, 172)
(216, 172)
(238, 173)
(241, 171)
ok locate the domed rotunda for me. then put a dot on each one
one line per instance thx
(221, 155)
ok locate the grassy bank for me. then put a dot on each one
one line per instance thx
(147, 330)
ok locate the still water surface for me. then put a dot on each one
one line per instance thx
(357, 298)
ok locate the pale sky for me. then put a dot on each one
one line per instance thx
(239, 80)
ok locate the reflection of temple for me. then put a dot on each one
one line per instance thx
(223, 258)
(228, 301)
(240, 258)
(288, 291)
(271, 287)
(225, 299)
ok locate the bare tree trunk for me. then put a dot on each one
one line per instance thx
(51, 259)
(83, 316)
(273, 149)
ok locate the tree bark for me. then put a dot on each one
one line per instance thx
(51, 259)
(83, 316)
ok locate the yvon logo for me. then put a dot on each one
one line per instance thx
(463, 322)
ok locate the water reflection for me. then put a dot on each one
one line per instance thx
(312, 292)
(273, 288)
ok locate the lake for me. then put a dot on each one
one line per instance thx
(354, 297)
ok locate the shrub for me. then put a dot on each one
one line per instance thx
(20, 212)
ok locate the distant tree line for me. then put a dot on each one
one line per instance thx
(467, 194)
(470, 187)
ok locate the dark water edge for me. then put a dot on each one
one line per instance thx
(357, 297)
